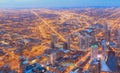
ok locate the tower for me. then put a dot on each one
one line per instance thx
(53, 58)
(23, 63)
(105, 27)
(108, 35)
(83, 43)
(93, 36)
(117, 37)
(87, 42)
(67, 43)
(94, 51)
(53, 41)
(95, 67)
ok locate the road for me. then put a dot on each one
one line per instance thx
(53, 30)
(49, 26)
(83, 59)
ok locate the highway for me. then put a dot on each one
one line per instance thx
(49, 26)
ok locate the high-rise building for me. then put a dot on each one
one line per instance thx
(108, 35)
(87, 42)
(104, 44)
(117, 37)
(104, 48)
(118, 41)
(94, 51)
(93, 36)
(53, 58)
(84, 43)
(105, 27)
(53, 41)
(95, 66)
(67, 43)
(23, 63)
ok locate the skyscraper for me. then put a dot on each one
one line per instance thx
(84, 43)
(53, 58)
(105, 27)
(23, 63)
(94, 67)
(67, 43)
(87, 42)
(94, 36)
(94, 51)
(53, 41)
(117, 37)
(108, 35)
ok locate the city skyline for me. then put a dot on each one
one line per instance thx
(59, 36)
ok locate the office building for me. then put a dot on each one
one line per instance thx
(66, 44)
(84, 43)
(95, 66)
(53, 57)
(53, 41)
(94, 51)
(108, 35)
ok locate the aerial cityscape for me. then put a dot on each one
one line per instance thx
(60, 40)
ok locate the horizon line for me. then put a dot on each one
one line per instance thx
(60, 7)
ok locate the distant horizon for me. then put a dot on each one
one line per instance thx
(18, 4)
(62, 7)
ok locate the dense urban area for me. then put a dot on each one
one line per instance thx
(73, 40)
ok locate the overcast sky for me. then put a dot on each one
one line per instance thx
(56, 3)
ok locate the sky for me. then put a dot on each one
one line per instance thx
(56, 3)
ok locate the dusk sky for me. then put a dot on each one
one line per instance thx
(56, 3)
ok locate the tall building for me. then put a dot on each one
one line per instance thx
(105, 27)
(53, 57)
(23, 63)
(94, 51)
(67, 43)
(93, 36)
(53, 41)
(104, 48)
(84, 43)
(95, 67)
(87, 42)
(103, 44)
(117, 37)
(108, 35)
